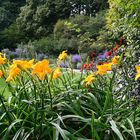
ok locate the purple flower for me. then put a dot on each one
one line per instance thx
(102, 56)
(76, 58)
(6, 51)
(18, 51)
(13, 54)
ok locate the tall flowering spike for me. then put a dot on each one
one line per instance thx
(13, 72)
(2, 58)
(115, 48)
(138, 72)
(24, 63)
(63, 55)
(102, 69)
(1, 73)
(56, 73)
(115, 60)
(89, 79)
(41, 68)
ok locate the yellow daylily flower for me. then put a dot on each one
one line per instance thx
(102, 69)
(41, 69)
(63, 55)
(89, 79)
(13, 72)
(138, 72)
(24, 63)
(115, 60)
(2, 58)
(15, 68)
(56, 73)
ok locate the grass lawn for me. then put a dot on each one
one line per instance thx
(4, 88)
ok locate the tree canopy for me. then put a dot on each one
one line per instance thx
(9, 10)
(37, 18)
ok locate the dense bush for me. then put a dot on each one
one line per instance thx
(84, 23)
(123, 13)
(86, 30)
(102, 42)
(44, 45)
(10, 37)
(51, 46)
(123, 19)
(9, 11)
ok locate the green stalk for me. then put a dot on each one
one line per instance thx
(111, 82)
(7, 112)
(50, 94)
(23, 85)
(42, 112)
(36, 108)
(110, 90)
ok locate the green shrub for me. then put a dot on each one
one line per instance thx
(86, 24)
(45, 45)
(123, 19)
(53, 46)
(102, 42)
(80, 30)
(67, 44)
(11, 36)
(59, 29)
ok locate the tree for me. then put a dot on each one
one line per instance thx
(37, 18)
(9, 10)
(88, 7)
(9, 34)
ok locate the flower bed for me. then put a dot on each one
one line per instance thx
(50, 102)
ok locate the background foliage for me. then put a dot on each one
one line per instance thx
(32, 20)
(123, 19)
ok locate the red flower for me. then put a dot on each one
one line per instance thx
(115, 48)
(90, 65)
(107, 62)
(85, 66)
(100, 63)
(109, 53)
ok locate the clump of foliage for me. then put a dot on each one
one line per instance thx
(9, 34)
(85, 30)
(36, 20)
(123, 20)
(10, 37)
(9, 11)
(47, 101)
